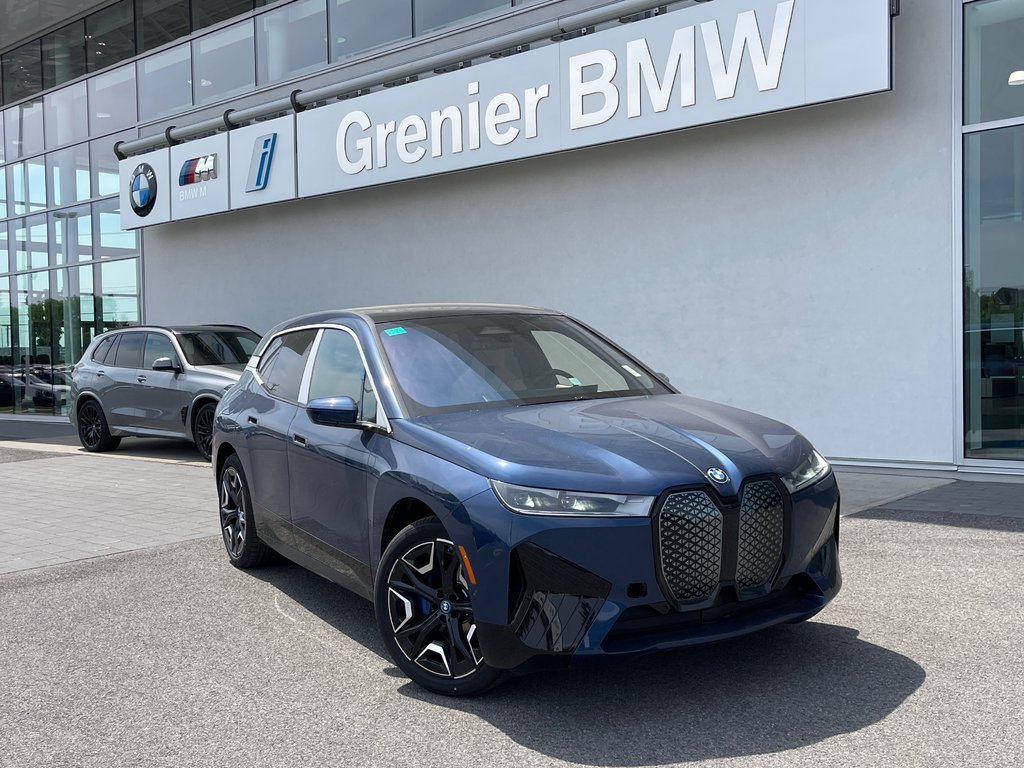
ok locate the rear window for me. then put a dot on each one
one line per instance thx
(129, 351)
(100, 355)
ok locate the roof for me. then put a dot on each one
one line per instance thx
(183, 328)
(400, 312)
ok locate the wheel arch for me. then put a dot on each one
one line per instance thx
(403, 513)
(193, 410)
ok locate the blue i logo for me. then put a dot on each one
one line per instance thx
(259, 166)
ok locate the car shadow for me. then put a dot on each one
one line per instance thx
(346, 611)
(781, 689)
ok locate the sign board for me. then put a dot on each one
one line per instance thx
(263, 162)
(699, 65)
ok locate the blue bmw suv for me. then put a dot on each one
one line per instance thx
(514, 492)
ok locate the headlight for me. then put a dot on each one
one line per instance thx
(542, 501)
(811, 469)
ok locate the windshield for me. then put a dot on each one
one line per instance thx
(472, 361)
(221, 347)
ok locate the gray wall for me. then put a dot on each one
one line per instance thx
(798, 264)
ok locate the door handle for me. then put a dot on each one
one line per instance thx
(253, 421)
(140, 379)
(299, 440)
(100, 373)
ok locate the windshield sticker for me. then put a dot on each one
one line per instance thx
(575, 382)
(630, 370)
(396, 331)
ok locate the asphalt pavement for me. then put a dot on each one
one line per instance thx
(162, 654)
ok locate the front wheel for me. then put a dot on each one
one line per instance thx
(245, 550)
(425, 615)
(202, 430)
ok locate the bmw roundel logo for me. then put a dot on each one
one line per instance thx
(142, 189)
(718, 475)
(446, 607)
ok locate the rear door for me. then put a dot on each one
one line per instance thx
(120, 395)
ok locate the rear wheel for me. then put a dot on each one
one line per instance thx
(202, 430)
(425, 615)
(243, 545)
(92, 428)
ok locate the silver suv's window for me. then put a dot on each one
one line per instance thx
(283, 362)
(338, 372)
(129, 351)
(100, 355)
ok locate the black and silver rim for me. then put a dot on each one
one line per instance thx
(90, 425)
(232, 511)
(430, 612)
(204, 431)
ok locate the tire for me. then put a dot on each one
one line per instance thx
(243, 545)
(93, 432)
(425, 616)
(202, 430)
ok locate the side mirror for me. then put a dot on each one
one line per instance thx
(165, 364)
(663, 377)
(333, 411)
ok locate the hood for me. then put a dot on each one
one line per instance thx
(636, 445)
(230, 372)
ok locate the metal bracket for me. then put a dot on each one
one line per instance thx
(293, 97)
(167, 136)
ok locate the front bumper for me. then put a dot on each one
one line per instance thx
(579, 589)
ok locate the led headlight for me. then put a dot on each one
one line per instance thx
(542, 501)
(812, 468)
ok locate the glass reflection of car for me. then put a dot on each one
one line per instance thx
(515, 492)
(156, 382)
(45, 386)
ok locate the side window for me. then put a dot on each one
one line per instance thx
(102, 349)
(129, 351)
(284, 361)
(157, 346)
(338, 371)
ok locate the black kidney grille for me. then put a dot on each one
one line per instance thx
(759, 546)
(690, 544)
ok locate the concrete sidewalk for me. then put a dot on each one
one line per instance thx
(62, 504)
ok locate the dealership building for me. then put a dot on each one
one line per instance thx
(807, 208)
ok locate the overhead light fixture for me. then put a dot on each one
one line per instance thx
(1016, 78)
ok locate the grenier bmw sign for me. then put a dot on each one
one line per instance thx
(699, 65)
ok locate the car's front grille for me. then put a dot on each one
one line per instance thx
(759, 545)
(690, 545)
(701, 543)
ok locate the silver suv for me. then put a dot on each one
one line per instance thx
(156, 382)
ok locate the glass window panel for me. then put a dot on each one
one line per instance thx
(291, 40)
(66, 115)
(110, 35)
(22, 72)
(64, 54)
(161, 21)
(103, 164)
(129, 351)
(6, 257)
(358, 25)
(431, 14)
(994, 294)
(223, 63)
(3, 148)
(23, 129)
(68, 173)
(157, 346)
(28, 242)
(207, 12)
(112, 101)
(165, 83)
(993, 62)
(7, 381)
(71, 235)
(117, 294)
(3, 209)
(338, 371)
(27, 190)
(109, 240)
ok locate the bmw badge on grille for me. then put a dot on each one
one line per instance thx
(718, 475)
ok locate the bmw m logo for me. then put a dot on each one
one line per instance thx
(198, 169)
(143, 189)
(718, 475)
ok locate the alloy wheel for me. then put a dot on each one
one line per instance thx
(90, 425)
(204, 431)
(233, 513)
(430, 611)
